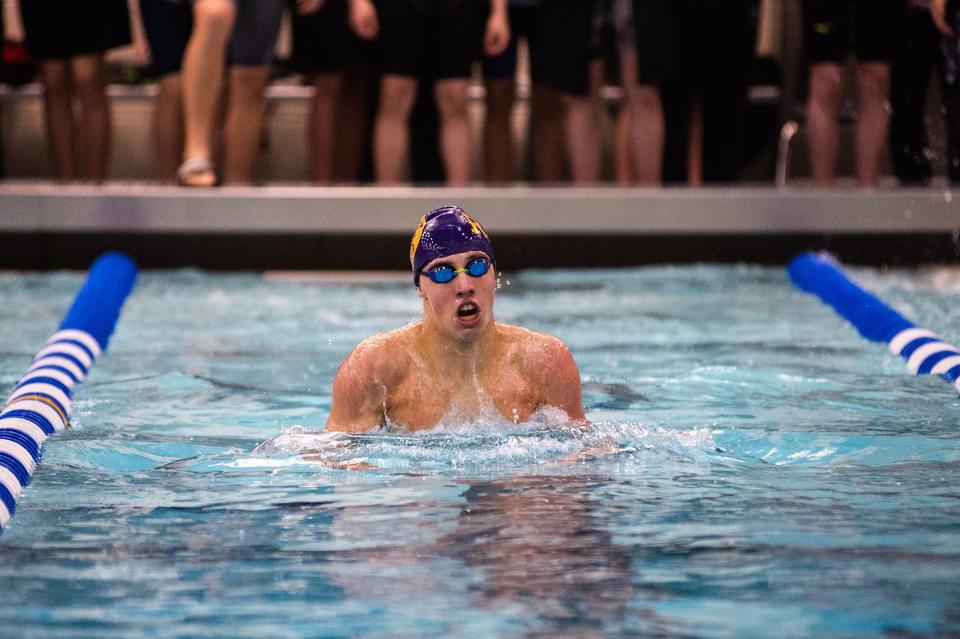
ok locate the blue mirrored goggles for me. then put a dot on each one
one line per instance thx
(444, 273)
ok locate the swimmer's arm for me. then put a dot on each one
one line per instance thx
(358, 396)
(562, 382)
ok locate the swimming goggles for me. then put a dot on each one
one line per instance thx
(444, 273)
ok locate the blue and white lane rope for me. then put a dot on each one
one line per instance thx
(41, 402)
(924, 351)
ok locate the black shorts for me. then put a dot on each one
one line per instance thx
(566, 43)
(436, 39)
(836, 28)
(322, 41)
(523, 21)
(167, 26)
(655, 27)
(57, 30)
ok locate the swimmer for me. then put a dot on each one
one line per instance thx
(458, 362)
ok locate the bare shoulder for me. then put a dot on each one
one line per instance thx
(537, 350)
(360, 386)
(380, 358)
(547, 360)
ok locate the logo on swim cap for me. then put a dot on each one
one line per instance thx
(446, 231)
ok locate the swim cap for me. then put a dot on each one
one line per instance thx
(445, 231)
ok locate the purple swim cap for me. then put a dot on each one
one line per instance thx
(445, 231)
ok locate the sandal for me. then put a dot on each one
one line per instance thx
(197, 171)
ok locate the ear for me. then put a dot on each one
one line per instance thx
(420, 293)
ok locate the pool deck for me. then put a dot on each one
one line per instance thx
(44, 225)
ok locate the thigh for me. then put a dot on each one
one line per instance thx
(255, 32)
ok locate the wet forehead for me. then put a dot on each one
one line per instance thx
(458, 260)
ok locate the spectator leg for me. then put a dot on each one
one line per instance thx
(547, 125)
(90, 86)
(873, 121)
(168, 126)
(58, 111)
(455, 138)
(202, 77)
(497, 132)
(246, 106)
(646, 126)
(327, 89)
(391, 136)
(823, 109)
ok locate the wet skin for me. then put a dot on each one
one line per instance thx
(457, 364)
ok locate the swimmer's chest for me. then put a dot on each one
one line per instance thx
(422, 401)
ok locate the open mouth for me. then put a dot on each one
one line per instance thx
(468, 311)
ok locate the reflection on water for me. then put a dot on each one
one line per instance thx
(541, 549)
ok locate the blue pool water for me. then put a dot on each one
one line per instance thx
(765, 471)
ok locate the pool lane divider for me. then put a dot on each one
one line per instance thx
(925, 352)
(42, 399)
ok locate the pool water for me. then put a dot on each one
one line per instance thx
(759, 469)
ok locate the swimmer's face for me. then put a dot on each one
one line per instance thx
(462, 307)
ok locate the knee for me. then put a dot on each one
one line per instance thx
(396, 99)
(826, 84)
(56, 77)
(215, 14)
(645, 100)
(452, 102)
(873, 80)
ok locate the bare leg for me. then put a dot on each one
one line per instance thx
(246, 107)
(352, 130)
(547, 126)
(873, 121)
(58, 109)
(202, 76)
(823, 109)
(583, 142)
(168, 127)
(91, 90)
(647, 130)
(327, 88)
(497, 132)
(391, 136)
(455, 139)
(695, 143)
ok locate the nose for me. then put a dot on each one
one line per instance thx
(464, 284)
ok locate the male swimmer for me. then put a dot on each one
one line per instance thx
(457, 364)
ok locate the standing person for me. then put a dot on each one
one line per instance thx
(704, 99)
(70, 38)
(834, 29)
(458, 362)
(325, 50)
(547, 153)
(643, 33)
(567, 59)
(946, 16)
(916, 53)
(240, 34)
(167, 25)
(408, 33)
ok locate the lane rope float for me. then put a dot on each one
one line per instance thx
(42, 399)
(925, 352)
